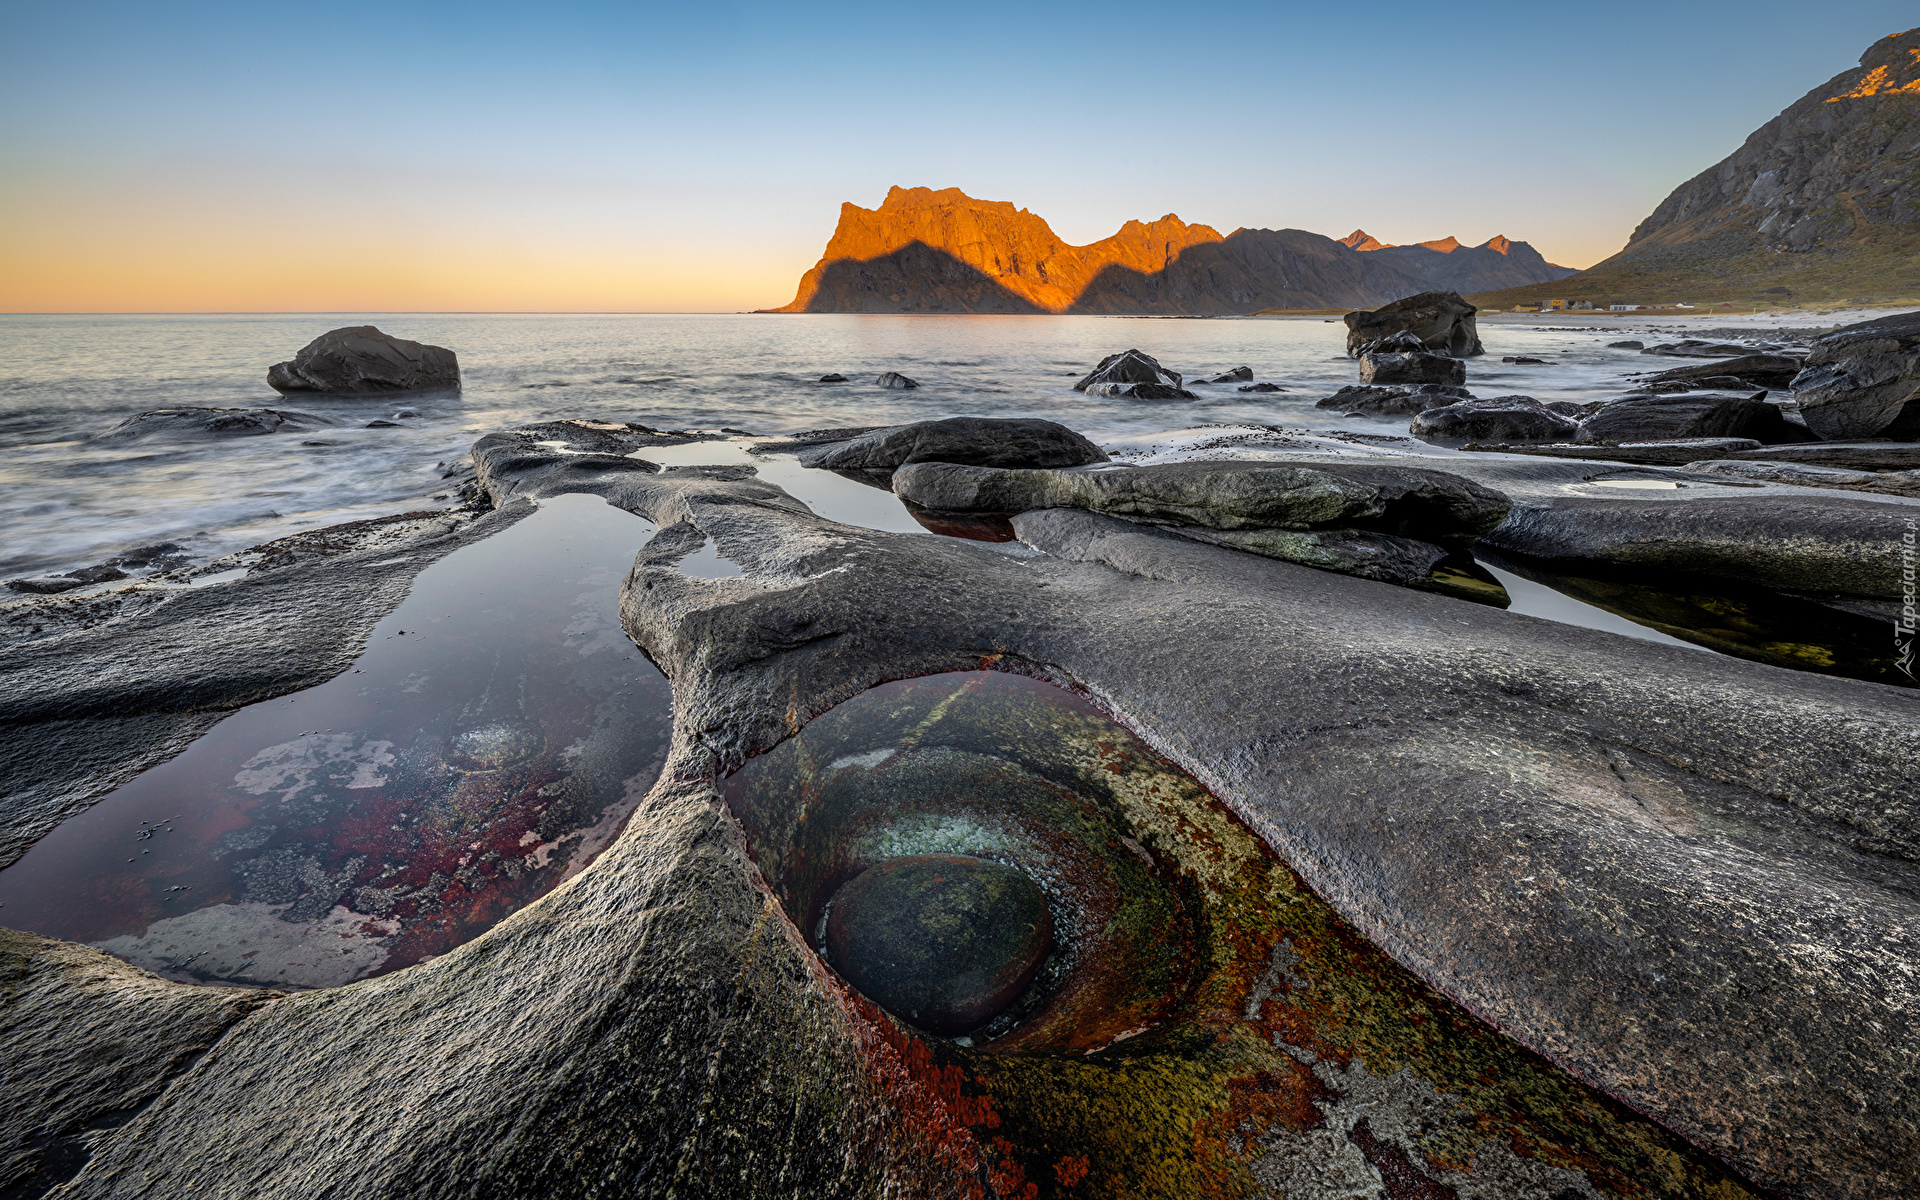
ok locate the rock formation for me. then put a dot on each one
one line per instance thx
(1403, 358)
(1129, 366)
(1500, 418)
(360, 360)
(1443, 322)
(944, 251)
(1820, 203)
(1687, 415)
(978, 441)
(170, 424)
(1636, 861)
(1863, 381)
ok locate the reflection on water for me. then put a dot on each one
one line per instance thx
(1205, 1024)
(1705, 614)
(487, 744)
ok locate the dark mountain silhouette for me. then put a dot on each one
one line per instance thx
(924, 251)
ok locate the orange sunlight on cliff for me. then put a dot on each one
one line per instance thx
(1879, 82)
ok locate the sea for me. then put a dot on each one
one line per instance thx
(68, 501)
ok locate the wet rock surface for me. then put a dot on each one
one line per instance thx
(1863, 381)
(1852, 456)
(197, 424)
(978, 441)
(1388, 498)
(895, 380)
(1892, 483)
(1687, 415)
(1755, 370)
(1394, 401)
(1399, 359)
(943, 941)
(1442, 321)
(361, 360)
(1675, 452)
(1497, 418)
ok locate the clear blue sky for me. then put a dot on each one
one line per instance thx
(640, 156)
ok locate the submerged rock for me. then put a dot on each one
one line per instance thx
(833, 378)
(1499, 418)
(1141, 391)
(1401, 359)
(942, 941)
(1627, 345)
(893, 379)
(1237, 375)
(209, 424)
(1691, 415)
(1442, 321)
(1129, 366)
(979, 441)
(361, 360)
(1863, 381)
(1695, 348)
(1262, 387)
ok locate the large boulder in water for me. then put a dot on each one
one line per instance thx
(1129, 366)
(1404, 359)
(1863, 381)
(979, 441)
(1686, 415)
(360, 360)
(1498, 418)
(208, 424)
(1443, 322)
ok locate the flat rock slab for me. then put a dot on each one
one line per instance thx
(978, 441)
(1675, 453)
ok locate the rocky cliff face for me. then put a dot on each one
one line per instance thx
(1823, 201)
(944, 251)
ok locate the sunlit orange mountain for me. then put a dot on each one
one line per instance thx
(924, 251)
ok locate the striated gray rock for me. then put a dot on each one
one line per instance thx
(1382, 497)
(893, 379)
(1394, 401)
(1891, 483)
(1498, 418)
(979, 441)
(1407, 562)
(1401, 359)
(1129, 366)
(360, 360)
(1686, 415)
(1441, 320)
(1852, 456)
(1864, 381)
(1678, 452)
(209, 424)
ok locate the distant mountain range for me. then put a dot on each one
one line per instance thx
(1820, 204)
(925, 251)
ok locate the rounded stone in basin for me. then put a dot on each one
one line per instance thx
(942, 941)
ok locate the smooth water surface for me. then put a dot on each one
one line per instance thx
(489, 742)
(69, 502)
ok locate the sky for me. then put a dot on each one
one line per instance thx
(567, 156)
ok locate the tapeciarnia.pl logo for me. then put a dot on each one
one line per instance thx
(1903, 629)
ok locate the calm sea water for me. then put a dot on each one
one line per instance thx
(67, 502)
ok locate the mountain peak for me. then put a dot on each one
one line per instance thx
(1446, 245)
(1498, 243)
(1360, 239)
